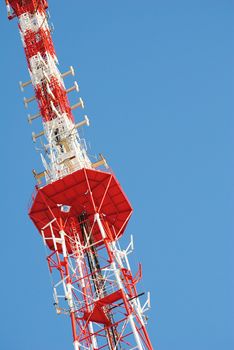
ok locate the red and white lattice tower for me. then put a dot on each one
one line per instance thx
(80, 211)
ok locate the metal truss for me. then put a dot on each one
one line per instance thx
(93, 284)
(80, 212)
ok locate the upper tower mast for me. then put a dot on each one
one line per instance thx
(80, 212)
(64, 150)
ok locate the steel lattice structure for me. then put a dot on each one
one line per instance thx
(79, 210)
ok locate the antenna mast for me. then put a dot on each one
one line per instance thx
(80, 211)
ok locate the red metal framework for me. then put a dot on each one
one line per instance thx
(80, 212)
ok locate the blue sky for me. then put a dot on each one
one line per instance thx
(157, 79)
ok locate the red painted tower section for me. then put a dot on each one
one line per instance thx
(79, 210)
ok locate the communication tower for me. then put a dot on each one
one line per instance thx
(80, 211)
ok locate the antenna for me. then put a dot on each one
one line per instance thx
(79, 208)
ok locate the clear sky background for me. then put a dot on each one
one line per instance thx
(157, 79)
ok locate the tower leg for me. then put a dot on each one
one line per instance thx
(120, 284)
(76, 345)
